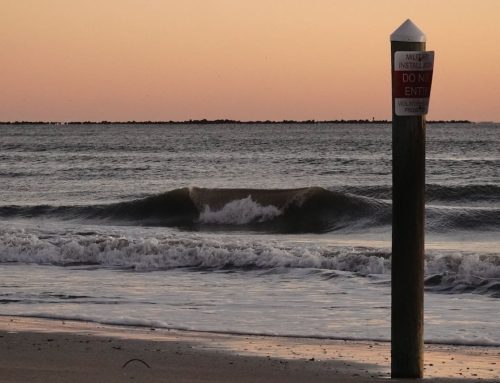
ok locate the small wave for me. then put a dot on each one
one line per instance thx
(467, 193)
(434, 192)
(454, 272)
(173, 208)
(459, 218)
(447, 272)
(137, 322)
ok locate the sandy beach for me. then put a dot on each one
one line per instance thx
(42, 350)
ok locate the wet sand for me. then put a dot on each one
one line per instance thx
(43, 350)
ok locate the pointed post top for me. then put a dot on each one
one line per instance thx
(408, 32)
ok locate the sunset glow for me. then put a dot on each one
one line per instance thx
(246, 60)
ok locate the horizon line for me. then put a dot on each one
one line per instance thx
(227, 121)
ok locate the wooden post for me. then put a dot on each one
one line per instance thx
(408, 204)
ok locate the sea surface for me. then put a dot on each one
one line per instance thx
(247, 228)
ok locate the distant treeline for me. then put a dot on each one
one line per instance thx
(220, 122)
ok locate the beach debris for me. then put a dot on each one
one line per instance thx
(135, 360)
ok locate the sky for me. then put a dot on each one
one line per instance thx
(137, 60)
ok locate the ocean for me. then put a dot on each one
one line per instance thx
(278, 229)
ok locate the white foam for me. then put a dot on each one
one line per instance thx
(176, 250)
(463, 270)
(240, 212)
(468, 268)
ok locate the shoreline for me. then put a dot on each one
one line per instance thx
(138, 326)
(39, 350)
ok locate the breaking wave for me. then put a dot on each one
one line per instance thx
(304, 210)
(240, 212)
(281, 210)
(447, 271)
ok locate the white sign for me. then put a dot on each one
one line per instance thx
(411, 82)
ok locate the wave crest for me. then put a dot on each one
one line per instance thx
(311, 209)
(239, 212)
(303, 210)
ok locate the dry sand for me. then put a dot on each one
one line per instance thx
(40, 350)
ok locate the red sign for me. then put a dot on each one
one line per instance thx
(411, 82)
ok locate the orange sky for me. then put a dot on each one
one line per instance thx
(258, 59)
